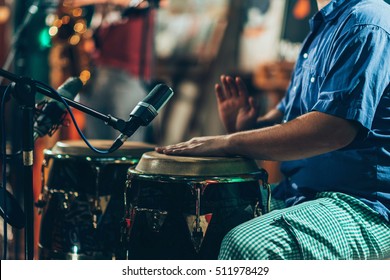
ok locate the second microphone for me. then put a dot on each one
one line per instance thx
(144, 112)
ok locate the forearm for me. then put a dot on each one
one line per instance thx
(309, 135)
(271, 118)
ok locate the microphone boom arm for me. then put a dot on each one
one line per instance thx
(112, 121)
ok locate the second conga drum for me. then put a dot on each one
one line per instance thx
(182, 207)
(82, 198)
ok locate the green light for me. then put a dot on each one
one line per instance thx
(44, 38)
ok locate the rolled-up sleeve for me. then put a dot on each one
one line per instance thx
(358, 75)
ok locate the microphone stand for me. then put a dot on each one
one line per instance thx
(24, 91)
(32, 10)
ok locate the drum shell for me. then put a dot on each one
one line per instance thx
(178, 195)
(83, 200)
(79, 175)
(226, 202)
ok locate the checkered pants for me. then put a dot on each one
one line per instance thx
(333, 226)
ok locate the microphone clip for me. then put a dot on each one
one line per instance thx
(42, 109)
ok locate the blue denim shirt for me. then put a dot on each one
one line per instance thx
(344, 70)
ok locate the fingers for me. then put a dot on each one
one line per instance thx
(159, 149)
(171, 149)
(184, 148)
(252, 105)
(177, 149)
(219, 93)
(225, 90)
(251, 102)
(230, 88)
(162, 150)
(242, 90)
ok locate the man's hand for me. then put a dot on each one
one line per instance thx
(198, 146)
(236, 109)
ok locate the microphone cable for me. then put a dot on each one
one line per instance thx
(52, 90)
(4, 171)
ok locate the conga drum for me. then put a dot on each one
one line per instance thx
(82, 198)
(182, 207)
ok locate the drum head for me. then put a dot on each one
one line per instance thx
(78, 148)
(160, 164)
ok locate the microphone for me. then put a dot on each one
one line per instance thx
(144, 113)
(53, 112)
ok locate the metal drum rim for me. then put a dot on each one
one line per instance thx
(130, 152)
(119, 159)
(234, 178)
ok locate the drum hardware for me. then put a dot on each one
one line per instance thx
(267, 187)
(65, 201)
(126, 225)
(128, 217)
(197, 231)
(257, 212)
(43, 196)
(96, 208)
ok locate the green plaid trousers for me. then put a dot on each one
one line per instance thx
(333, 226)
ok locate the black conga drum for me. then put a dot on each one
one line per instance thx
(82, 199)
(182, 207)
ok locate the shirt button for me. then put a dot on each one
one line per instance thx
(312, 79)
(305, 55)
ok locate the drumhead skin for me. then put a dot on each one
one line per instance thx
(160, 164)
(78, 148)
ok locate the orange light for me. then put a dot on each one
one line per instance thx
(65, 19)
(85, 75)
(53, 31)
(80, 27)
(74, 40)
(78, 12)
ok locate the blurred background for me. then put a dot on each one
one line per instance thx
(194, 42)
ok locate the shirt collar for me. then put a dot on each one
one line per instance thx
(331, 10)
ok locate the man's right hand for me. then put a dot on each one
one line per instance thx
(236, 108)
